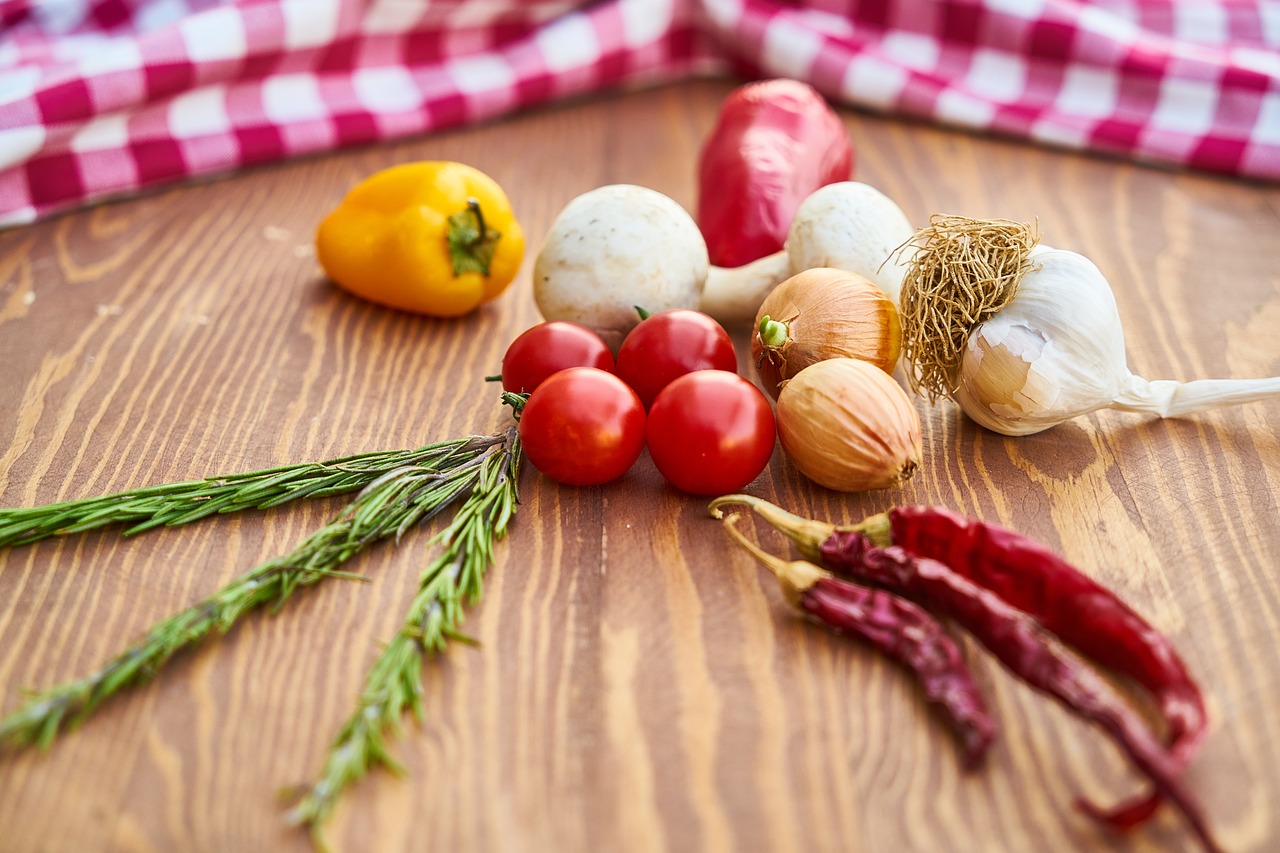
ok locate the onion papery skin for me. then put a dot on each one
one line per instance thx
(827, 313)
(847, 425)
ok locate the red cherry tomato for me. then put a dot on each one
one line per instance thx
(582, 427)
(710, 432)
(549, 348)
(670, 344)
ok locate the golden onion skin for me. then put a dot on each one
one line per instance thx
(847, 425)
(827, 313)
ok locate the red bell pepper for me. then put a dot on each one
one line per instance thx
(776, 141)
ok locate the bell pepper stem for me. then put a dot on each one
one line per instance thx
(473, 205)
(471, 241)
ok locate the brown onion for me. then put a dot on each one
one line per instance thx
(849, 426)
(819, 314)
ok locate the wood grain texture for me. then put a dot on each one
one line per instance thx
(640, 685)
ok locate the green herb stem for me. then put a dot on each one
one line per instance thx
(394, 682)
(397, 499)
(180, 503)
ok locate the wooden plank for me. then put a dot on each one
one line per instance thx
(640, 685)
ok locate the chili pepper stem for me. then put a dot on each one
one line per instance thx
(808, 535)
(877, 528)
(794, 577)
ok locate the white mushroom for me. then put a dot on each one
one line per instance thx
(855, 227)
(615, 248)
(622, 246)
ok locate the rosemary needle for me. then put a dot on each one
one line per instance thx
(393, 684)
(395, 499)
(181, 503)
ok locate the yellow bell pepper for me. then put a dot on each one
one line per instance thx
(434, 238)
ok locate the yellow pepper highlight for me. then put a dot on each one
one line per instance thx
(435, 237)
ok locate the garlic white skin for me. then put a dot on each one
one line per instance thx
(1056, 351)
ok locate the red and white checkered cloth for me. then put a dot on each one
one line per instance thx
(101, 98)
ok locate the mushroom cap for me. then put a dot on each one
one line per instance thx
(616, 248)
(851, 226)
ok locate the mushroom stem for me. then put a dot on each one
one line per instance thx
(733, 294)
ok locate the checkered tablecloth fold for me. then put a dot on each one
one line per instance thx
(100, 98)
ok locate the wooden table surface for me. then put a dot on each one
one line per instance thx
(640, 685)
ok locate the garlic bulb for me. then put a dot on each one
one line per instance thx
(1055, 350)
(848, 426)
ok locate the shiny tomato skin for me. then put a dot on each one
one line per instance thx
(710, 432)
(582, 427)
(548, 348)
(670, 344)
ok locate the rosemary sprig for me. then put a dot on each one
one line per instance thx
(389, 505)
(394, 682)
(181, 503)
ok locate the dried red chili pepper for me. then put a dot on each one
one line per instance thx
(776, 141)
(901, 630)
(1082, 613)
(1014, 636)
(1023, 647)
